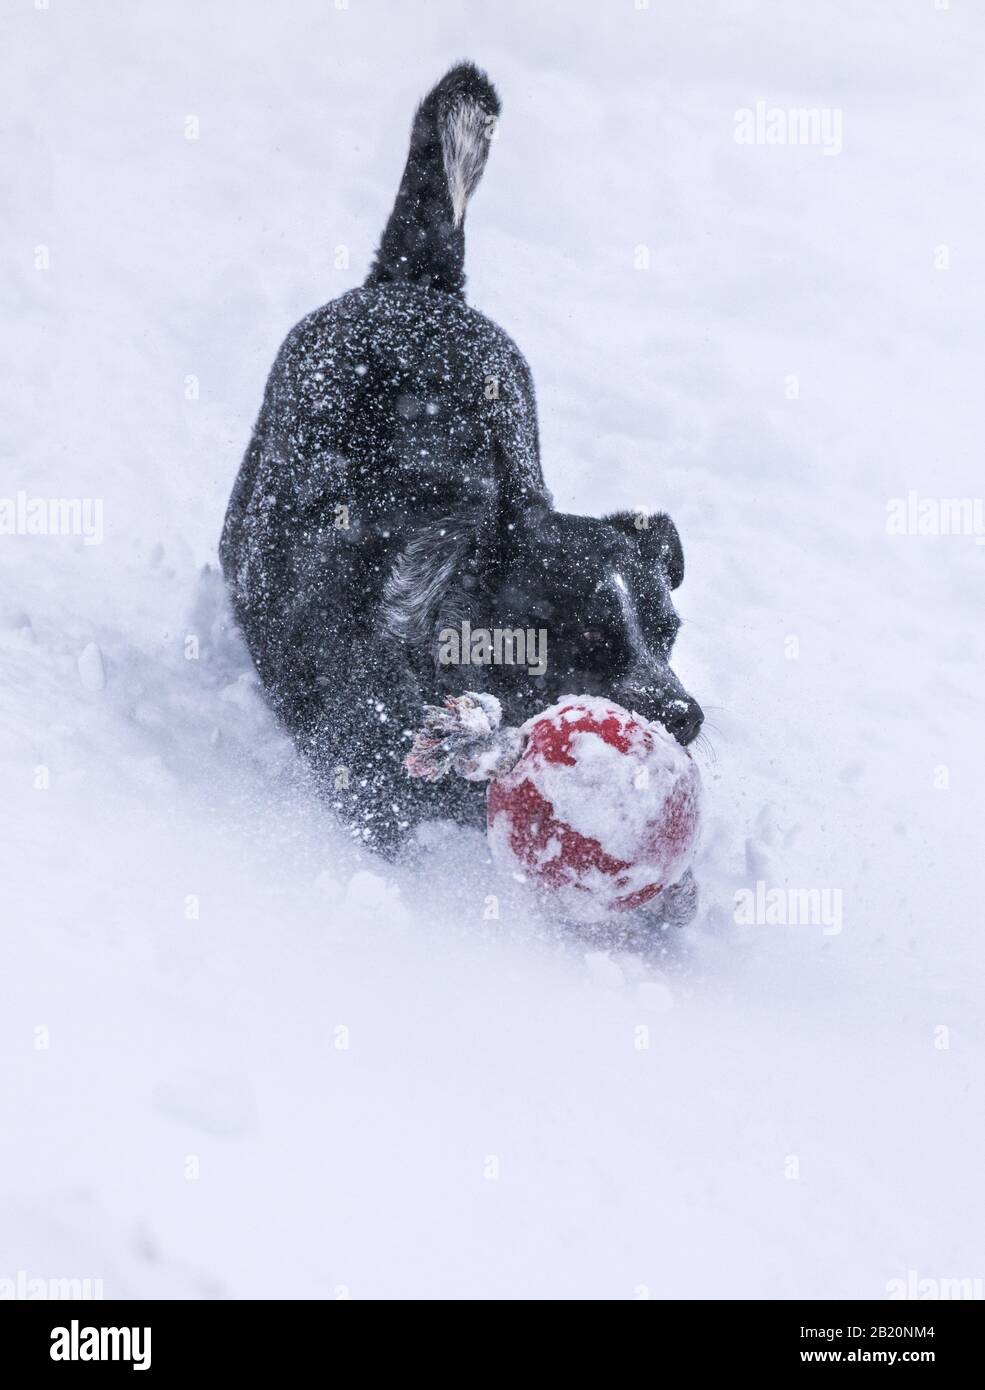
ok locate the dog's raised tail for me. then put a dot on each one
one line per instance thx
(424, 240)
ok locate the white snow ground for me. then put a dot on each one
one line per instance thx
(495, 1126)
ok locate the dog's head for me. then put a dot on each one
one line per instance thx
(531, 605)
(601, 591)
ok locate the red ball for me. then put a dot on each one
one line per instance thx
(601, 811)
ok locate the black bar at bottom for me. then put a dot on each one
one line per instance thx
(172, 1339)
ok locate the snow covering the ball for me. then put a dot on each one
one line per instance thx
(602, 808)
(614, 796)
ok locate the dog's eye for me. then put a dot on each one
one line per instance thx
(668, 634)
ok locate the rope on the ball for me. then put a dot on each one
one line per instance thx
(464, 735)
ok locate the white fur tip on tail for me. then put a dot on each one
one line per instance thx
(465, 135)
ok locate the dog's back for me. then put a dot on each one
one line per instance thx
(385, 401)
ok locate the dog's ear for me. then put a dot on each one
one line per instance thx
(657, 538)
(431, 563)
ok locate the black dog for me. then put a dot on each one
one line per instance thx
(392, 491)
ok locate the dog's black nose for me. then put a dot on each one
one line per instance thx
(684, 719)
